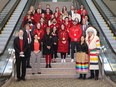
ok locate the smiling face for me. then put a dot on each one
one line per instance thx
(38, 25)
(36, 36)
(90, 33)
(20, 33)
(62, 27)
(82, 39)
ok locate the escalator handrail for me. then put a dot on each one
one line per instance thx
(113, 28)
(5, 6)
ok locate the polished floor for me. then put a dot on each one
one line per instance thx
(60, 83)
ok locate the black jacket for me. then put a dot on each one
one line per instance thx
(47, 41)
(82, 48)
(17, 46)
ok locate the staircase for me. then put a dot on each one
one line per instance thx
(58, 70)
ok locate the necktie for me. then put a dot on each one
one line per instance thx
(29, 37)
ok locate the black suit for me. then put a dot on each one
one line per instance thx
(19, 59)
(29, 49)
(42, 10)
(70, 13)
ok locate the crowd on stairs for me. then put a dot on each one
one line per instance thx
(46, 33)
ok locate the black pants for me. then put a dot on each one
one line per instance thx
(73, 45)
(82, 76)
(28, 55)
(19, 61)
(69, 46)
(94, 73)
(55, 48)
(63, 55)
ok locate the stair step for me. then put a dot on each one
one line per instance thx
(67, 71)
(58, 65)
(36, 76)
(58, 60)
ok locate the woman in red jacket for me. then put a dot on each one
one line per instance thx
(63, 43)
(39, 31)
(47, 15)
(37, 16)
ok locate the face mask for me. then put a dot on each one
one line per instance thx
(29, 22)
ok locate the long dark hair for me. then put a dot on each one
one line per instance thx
(84, 39)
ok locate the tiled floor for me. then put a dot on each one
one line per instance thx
(60, 83)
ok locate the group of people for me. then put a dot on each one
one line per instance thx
(47, 33)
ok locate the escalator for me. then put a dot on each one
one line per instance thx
(109, 19)
(9, 32)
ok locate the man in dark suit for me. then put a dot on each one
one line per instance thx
(28, 35)
(48, 7)
(71, 12)
(20, 46)
(40, 7)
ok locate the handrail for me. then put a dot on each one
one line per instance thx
(2, 24)
(5, 5)
(105, 17)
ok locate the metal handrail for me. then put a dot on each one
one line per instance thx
(3, 23)
(105, 17)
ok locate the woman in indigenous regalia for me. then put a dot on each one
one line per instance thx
(93, 43)
(82, 64)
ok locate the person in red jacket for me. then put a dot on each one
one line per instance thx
(54, 24)
(57, 13)
(47, 15)
(60, 21)
(68, 26)
(39, 32)
(75, 33)
(63, 42)
(37, 16)
(43, 24)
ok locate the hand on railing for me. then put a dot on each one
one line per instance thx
(103, 49)
(11, 51)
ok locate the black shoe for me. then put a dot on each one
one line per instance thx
(96, 78)
(50, 66)
(39, 73)
(90, 77)
(84, 78)
(23, 79)
(46, 65)
(33, 73)
(28, 66)
(80, 78)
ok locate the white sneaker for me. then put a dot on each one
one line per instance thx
(72, 60)
(64, 61)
